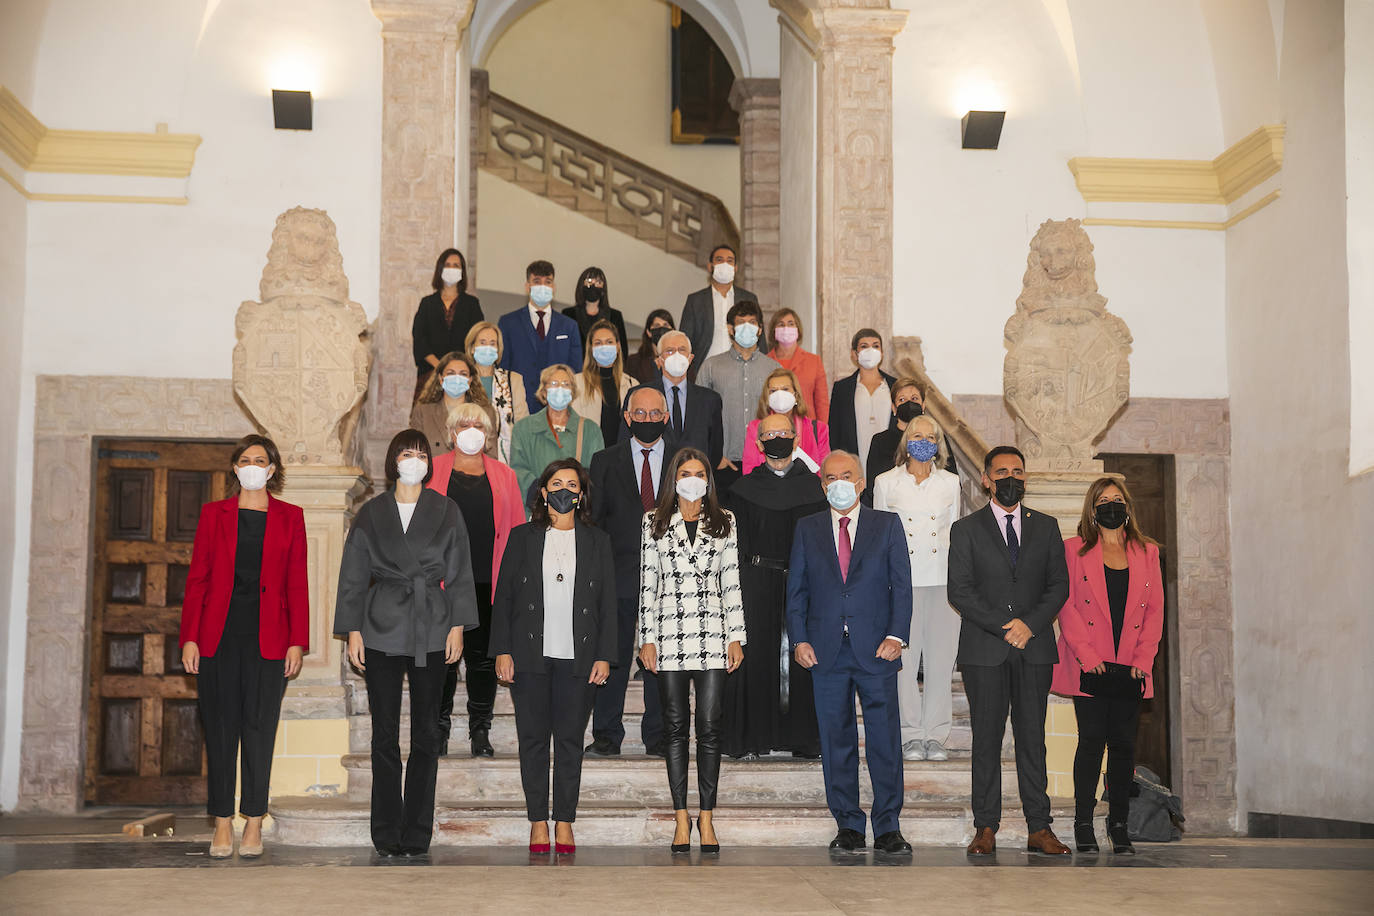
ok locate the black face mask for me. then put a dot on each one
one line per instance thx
(1008, 490)
(562, 501)
(648, 431)
(779, 448)
(592, 294)
(656, 334)
(909, 410)
(1110, 515)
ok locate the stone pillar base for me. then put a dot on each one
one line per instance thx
(1060, 493)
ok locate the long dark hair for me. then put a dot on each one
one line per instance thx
(580, 291)
(715, 521)
(646, 343)
(438, 282)
(1091, 532)
(539, 509)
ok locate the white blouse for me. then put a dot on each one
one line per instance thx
(927, 510)
(407, 511)
(560, 565)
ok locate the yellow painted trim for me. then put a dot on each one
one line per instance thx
(88, 198)
(1222, 180)
(37, 148)
(14, 183)
(1254, 208)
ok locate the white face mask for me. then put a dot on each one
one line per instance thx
(782, 400)
(451, 275)
(411, 470)
(470, 441)
(676, 364)
(723, 273)
(869, 359)
(253, 477)
(691, 488)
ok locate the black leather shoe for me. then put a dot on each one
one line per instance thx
(892, 843)
(655, 750)
(481, 746)
(1084, 838)
(1121, 840)
(388, 852)
(443, 748)
(848, 841)
(602, 747)
(414, 852)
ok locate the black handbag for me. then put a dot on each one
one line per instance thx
(1115, 682)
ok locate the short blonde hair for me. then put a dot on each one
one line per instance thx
(478, 328)
(470, 411)
(764, 410)
(899, 459)
(548, 373)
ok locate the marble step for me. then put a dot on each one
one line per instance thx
(644, 780)
(304, 821)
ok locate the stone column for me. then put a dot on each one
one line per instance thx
(420, 46)
(479, 124)
(854, 181)
(758, 102)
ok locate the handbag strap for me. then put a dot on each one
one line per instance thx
(580, 420)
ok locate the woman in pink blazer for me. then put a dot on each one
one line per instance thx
(781, 394)
(488, 497)
(1111, 625)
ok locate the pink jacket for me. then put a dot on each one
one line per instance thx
(1085, 623)
(508, 509)
(815, 442)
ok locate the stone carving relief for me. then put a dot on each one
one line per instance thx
(301, 362)
(1067, 372)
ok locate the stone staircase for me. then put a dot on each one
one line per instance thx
(773, 801)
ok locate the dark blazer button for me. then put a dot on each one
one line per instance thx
(527, 578)
(1090, 623)
(531, 607)
(586, 610)
(530, 635)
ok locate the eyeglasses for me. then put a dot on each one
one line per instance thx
(639, 416)
(776, 434)
(558, 385)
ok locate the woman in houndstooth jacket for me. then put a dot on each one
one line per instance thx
(691, 626)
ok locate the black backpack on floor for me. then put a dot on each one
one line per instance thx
(1156, 814)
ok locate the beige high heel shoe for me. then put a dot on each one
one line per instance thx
(247, 851)
(225, 851)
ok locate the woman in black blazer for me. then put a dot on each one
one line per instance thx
(444, 317)
(592, 303)
(553, 626)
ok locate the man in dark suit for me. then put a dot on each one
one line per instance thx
(703, 314)
(866, 352)
(694, 412)
(1008, 580)
(625, 484)
(848, 617)
(537, 336)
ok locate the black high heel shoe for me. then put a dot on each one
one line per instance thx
(708, 849)
(1084, 838)
(681, 849)
(1121, 840)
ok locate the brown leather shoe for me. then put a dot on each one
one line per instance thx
(1046, 843)
(984, 842)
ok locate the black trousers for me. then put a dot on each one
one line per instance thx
(1104, 723)
(710, 686)
(608, 715)
(240, 703)
(481, 676)
(1025, 689)
(404, 819)
(551, 704)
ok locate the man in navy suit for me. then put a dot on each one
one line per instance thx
(537, 336)
(848, 618)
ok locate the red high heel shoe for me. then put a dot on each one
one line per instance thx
(539, 849)
(565, 849)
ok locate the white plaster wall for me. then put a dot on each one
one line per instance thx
(964, 218)
(1300, 525)
(1359, 213)
(797, 177)
(1246, 64)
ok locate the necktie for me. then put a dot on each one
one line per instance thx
(846, 549)
(677, 410)
(1013, 545)
(646, 483)
(541, 329)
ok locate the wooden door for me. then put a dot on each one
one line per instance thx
(1151, 481)
(144, 740)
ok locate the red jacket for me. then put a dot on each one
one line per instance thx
(284, 616)
(507, 507)
(1085, 623)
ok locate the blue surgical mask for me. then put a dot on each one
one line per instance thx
(922, 449)
(604, 355)
(485, 356)
(455, 386)
(841, 494)
(541, 295)
(559, 398)
(747, 334)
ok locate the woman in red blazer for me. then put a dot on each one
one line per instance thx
(245, 625)
(1114, 616)
(488, 496)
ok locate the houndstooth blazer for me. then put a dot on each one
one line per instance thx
(689, 596)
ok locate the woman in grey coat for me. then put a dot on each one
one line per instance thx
(405, 595)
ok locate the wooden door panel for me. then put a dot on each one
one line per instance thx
(145, 741)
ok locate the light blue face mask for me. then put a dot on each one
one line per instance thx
(922, 449)
(559, 398)
(747, 334)
(604, 355)
(484, 356)
(841, 494)
(541, 295)
(455, 386)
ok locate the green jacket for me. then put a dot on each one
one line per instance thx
(532, 445)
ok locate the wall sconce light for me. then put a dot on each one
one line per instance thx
(981, 129)
(292, 109)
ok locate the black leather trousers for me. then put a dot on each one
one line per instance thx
(674, 687)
